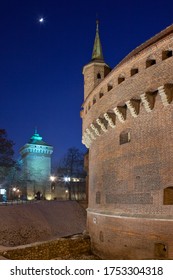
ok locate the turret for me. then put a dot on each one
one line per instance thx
(96, 70)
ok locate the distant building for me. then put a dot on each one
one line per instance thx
(68, 188)
(36, 167)
(127, 127)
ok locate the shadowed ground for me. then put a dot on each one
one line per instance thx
(40, 221)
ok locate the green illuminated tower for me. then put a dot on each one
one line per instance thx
(36, 166)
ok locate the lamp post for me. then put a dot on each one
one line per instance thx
(67, 181)
(52, 179)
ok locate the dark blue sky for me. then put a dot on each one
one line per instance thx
(41, 82)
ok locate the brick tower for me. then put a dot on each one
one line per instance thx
(127, 127)
(96, 70)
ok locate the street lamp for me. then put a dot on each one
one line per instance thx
(67, 181)
(52, 179)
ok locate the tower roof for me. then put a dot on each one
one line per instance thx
(37, 139)
(97, 54)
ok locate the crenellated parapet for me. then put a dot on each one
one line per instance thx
(148, 101)
(96, 129)
(133, 105)
(86, 140)
(110, 118)
(119, 113)
(102, 123)
(166, 94)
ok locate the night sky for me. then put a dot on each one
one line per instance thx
(41, 82)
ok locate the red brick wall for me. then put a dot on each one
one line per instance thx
(128, 180)
(130, 238)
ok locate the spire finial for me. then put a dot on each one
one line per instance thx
(97, 49)
(35, 130)
(97, 25)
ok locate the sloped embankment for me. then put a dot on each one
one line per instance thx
(40, 221)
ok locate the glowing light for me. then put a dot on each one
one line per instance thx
(67, 179)
(2, 191)
(52, 178)
(48, 196)
(41, 20)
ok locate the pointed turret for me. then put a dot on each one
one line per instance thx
(97, 53)
(96, 70)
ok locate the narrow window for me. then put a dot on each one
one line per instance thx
(89, 106)
(110, 87)
(101, 94)
(168, 196)
(120, 80)
(94, 100)
(124, 137)
(98, 76)
(166, 54)
(134, 71)
(150, 62)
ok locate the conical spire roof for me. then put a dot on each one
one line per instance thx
(97, 53)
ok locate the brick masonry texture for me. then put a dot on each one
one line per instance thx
(127, 217)
(76, 247)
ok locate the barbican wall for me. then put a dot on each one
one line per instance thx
(127, 125)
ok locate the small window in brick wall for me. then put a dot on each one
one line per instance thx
(98, 76)
(166, 54)
(150, 62)
(110, 87)
(120, 80)
(98, 196)
(124, 137)
(94, 100)
(101, 94)
(134, 71)
(168, 196)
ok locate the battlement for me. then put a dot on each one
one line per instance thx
(119, 113)
(134, 82)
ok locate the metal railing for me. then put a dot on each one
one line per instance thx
(17, 202)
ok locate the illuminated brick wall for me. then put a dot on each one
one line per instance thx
(128, 130)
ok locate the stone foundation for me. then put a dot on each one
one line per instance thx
(76, 247)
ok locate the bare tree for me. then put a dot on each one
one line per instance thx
(6, 155)
(71, 166)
